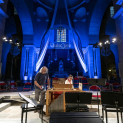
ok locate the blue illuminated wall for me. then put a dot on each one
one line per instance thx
(38, 19)
(27, 62)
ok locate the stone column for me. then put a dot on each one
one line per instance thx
(119, 26)
(3, 16)
(90, 61)
(28, 62)
(118, 16)
(97, 62)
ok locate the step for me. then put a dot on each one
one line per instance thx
(4, 106)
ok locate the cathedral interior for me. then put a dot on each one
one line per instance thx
(79, 41)
(48, 33)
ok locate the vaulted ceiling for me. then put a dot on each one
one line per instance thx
(70, 3)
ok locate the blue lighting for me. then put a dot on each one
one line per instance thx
(40, 60)
(3, 13)
(1, 1)
(60, 18)
(80, 57)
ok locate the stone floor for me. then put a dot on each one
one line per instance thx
(13, 115)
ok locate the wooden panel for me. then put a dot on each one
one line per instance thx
(62, 86)
(62, 104)
(57, 105)
(59, 81)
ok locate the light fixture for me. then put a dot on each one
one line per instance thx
(114, 40)
(107, 42)
(110, 70)
(100, 44)
(4, 38)
(17, 44)
(10, 40)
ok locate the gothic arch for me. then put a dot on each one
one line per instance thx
(97, 15)
(24, 15)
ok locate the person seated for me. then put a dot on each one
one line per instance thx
(69, 80)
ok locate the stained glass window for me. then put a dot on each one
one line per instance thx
(111, 11)
(61, 35)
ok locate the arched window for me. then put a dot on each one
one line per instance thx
(61, 34)
(111, 11)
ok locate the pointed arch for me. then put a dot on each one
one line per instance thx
(97, 15)
(24, 15)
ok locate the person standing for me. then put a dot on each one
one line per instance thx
(40, 84)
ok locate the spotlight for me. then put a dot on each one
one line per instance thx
(10, 40)
(17, 44)
(114, 40)
(110, 70)
(107, 42)
(4, 38)
(100, 44)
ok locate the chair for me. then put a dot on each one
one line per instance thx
(3, 86)
(97, 96)
(108, 100)
(26, 109)
(116, 87)
(119, 98)
(13, 86)
(85, 83)
(76, 82)
(106, 87)
(27, 86)
(34, 107)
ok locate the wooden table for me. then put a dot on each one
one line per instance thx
(50, 100)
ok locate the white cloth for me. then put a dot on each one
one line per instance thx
(67, 82)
